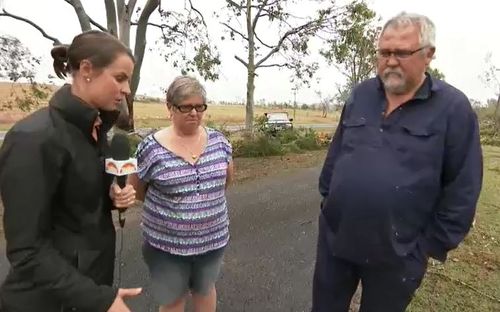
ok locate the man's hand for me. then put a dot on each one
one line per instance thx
(119, 304)
(122, 197)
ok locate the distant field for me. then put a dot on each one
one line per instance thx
(148, 114)
(154, 114)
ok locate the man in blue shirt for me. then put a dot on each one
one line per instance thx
(401, 179)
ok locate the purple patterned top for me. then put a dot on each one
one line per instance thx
(185, 211)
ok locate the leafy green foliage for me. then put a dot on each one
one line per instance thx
(436, 73)
(17, 64)
(354, 48)
(185, 42)
(270, 143)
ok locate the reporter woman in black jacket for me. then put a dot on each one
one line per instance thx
(57, 198)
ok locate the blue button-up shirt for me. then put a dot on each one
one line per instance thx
(408, 180)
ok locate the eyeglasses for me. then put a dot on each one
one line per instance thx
(399, 54)
(186, 108)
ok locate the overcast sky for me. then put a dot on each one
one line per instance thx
(466, 32)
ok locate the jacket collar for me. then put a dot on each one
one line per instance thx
(79, 113)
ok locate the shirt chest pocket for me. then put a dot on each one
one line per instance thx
(419, 143)
(357, 132)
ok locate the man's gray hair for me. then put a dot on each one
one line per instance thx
(184, 87)
(427, 29)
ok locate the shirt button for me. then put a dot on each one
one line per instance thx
(381, 130)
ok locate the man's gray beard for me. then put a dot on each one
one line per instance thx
(398, 89)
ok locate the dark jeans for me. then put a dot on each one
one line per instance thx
(385, 288)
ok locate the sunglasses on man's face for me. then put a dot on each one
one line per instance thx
(186, 108)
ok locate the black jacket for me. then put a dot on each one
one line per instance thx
(57, 219)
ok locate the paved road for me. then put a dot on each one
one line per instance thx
(269, 263)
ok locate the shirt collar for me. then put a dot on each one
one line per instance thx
(79, 113)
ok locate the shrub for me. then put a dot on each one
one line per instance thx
(134, 140)
(257, 146)
(222, 128)
(288, 135)
(489, 132)
(264, 143)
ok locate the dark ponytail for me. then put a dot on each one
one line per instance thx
(60, 56)
(98, 47)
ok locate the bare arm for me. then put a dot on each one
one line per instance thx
(230, 173)
(139, 186)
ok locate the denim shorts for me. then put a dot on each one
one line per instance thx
(172, 276)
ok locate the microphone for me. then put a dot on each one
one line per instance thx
(120, 164)
(120, 151)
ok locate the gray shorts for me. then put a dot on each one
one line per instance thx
(172, 276)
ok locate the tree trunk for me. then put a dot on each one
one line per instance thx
(82, 15)
(250, 100)
(140, 47)
(250, 70)
(124, 20)
(111, 17)
(126, 119)
(495, 114)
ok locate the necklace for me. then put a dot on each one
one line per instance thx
(194, 156)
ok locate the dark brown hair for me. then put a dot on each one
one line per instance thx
(100, 48)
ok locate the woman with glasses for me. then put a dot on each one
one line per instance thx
(184, 170)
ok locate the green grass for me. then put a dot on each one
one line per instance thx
(470, 279)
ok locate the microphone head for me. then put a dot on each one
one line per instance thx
(120, 147)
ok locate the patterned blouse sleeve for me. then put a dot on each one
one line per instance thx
(144, 157)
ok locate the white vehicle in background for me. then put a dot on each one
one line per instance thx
(277, 121)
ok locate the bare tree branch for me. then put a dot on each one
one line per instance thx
(199, 13)
(264, 15)
(261, 42)
(91, 21)
(96, 24)
(275, 65)
(124, 18)
(131, 5)
(280, 42)
(241, 60)
(236, 31)
(7, 14)
(257, 16)
(268, 4)
(120, 7)
(162, 27)
(140, 41)
(111, 17)
(83, 18)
